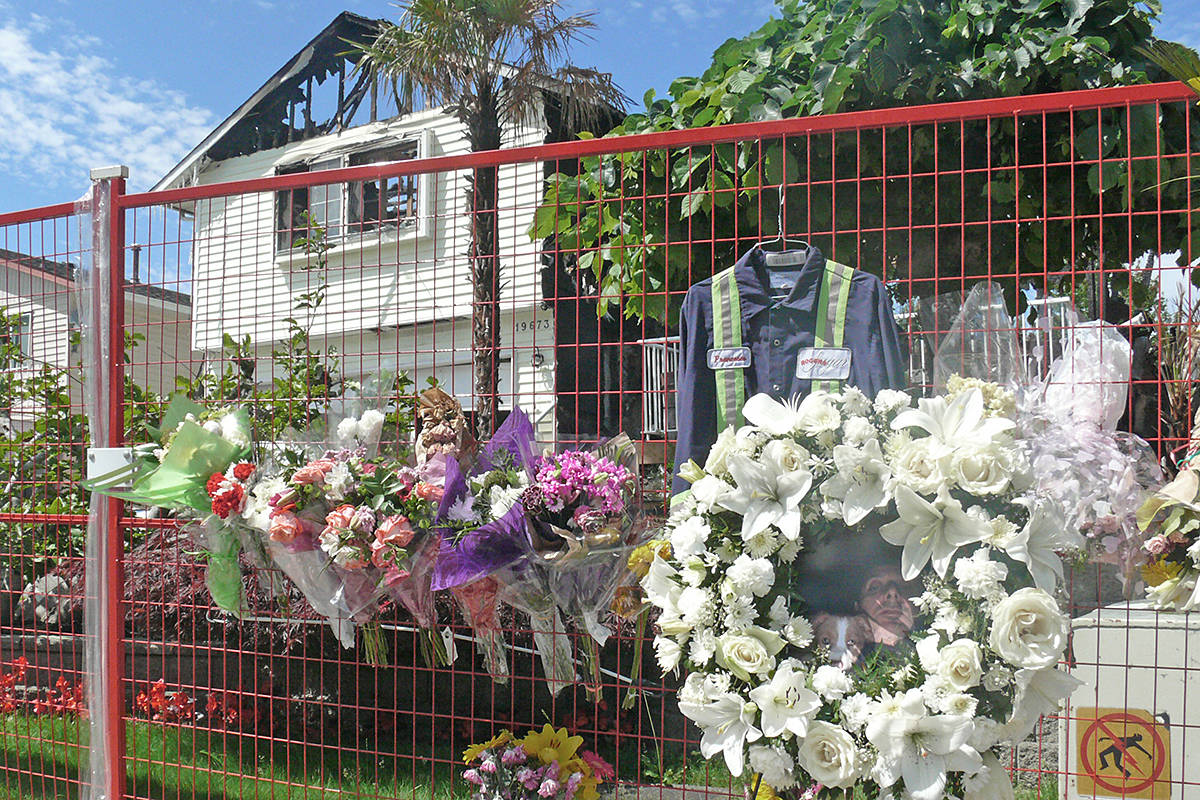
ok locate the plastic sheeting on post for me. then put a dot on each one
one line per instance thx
(100, 294)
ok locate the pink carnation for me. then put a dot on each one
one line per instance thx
(394, 530)
(313, 472)
(338, 520)
(285, 527)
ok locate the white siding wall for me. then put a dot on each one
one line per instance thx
(242, 287)
(157, 360)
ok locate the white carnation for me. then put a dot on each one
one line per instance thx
(339, 481)
(980, 578)
(370, 425)
(854, 402)
(889, 401)
(689, 537)
(855, 710)
(754, 575)
(668, 653)
(774, 764)
(697, 607)
(830, 682)
(347, 429)
(858, 430)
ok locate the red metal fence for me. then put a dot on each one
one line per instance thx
(1074, 196)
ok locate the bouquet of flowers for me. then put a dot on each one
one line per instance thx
(791, 597)
(554, 537)
(198, 466)
(544, 765)
(349, 529)
(1171, 521)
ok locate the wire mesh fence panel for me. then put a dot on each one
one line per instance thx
(550, 279)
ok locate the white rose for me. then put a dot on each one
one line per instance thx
(960, 664)
(786, 455)
(831, 683)
(668, 652)
(719, 452)
(828, 755)
(749, 652)
(774, 764)
(981, 470)
(915, 463)
(1028, 629)
(689, 537)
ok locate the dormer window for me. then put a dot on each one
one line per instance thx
(349, 211)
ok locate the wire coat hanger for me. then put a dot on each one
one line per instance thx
(780, 238)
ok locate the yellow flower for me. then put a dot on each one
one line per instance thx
(1160, 571)
(765, 790)
(551, 745)
(643, 556)
(628, 601)
(587, 789)
(473, 752)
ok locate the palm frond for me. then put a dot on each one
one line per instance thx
(1178, 60)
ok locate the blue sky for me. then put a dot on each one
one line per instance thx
(93, 82)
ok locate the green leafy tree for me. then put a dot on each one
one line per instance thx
(488, 62)
(703, 206)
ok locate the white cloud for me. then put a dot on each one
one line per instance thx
(66, 109)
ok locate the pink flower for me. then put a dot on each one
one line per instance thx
(600, 768)
(391, 573)
(285, 527)
(338, 520)
(1156, 545)
(363, 520)
(313, 472)
(394, 530)
(428, 492)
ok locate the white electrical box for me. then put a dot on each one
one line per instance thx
(1132, 729)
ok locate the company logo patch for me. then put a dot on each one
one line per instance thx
(729, 358)
(823, 363)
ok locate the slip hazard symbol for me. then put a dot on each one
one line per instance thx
(1123, 752)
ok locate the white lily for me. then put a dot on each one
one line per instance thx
(773, 416)
(727, 724)
(956, 422)
(931, 532)
(786, 704)
(1039, 692)
(1038, 543)
(920, 747)
(862, 480)
(766, 496)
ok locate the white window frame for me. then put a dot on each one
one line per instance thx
(339, 236)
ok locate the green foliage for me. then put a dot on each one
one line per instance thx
(642, 222)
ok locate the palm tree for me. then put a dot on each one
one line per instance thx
(1179, 61)
(488, 62)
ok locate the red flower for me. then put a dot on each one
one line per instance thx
(214, 484)
(229, 500)
(243, 471)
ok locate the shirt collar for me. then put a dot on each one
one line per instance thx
(754, 284)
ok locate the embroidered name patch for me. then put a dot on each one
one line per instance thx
(823, 363)
(729, 358)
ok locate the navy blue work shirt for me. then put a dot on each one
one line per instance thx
(775, 331)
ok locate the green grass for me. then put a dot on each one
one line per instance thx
(40, 757)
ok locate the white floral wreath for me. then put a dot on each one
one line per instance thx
(949, 483)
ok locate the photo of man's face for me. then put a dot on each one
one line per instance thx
(884, 599)
(856, 597)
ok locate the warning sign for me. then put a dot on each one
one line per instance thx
(1123, 752)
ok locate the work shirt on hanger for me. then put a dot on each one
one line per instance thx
(775, 331)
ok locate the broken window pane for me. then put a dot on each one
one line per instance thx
(373, 204)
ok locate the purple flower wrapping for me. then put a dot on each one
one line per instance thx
(481, 552)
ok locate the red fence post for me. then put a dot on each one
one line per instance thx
(108, 315)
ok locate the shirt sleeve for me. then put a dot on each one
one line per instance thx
(696, 392)
(891, 355)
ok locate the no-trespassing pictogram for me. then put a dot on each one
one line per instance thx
(1123, 752)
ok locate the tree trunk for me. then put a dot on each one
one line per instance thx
(485, 277)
